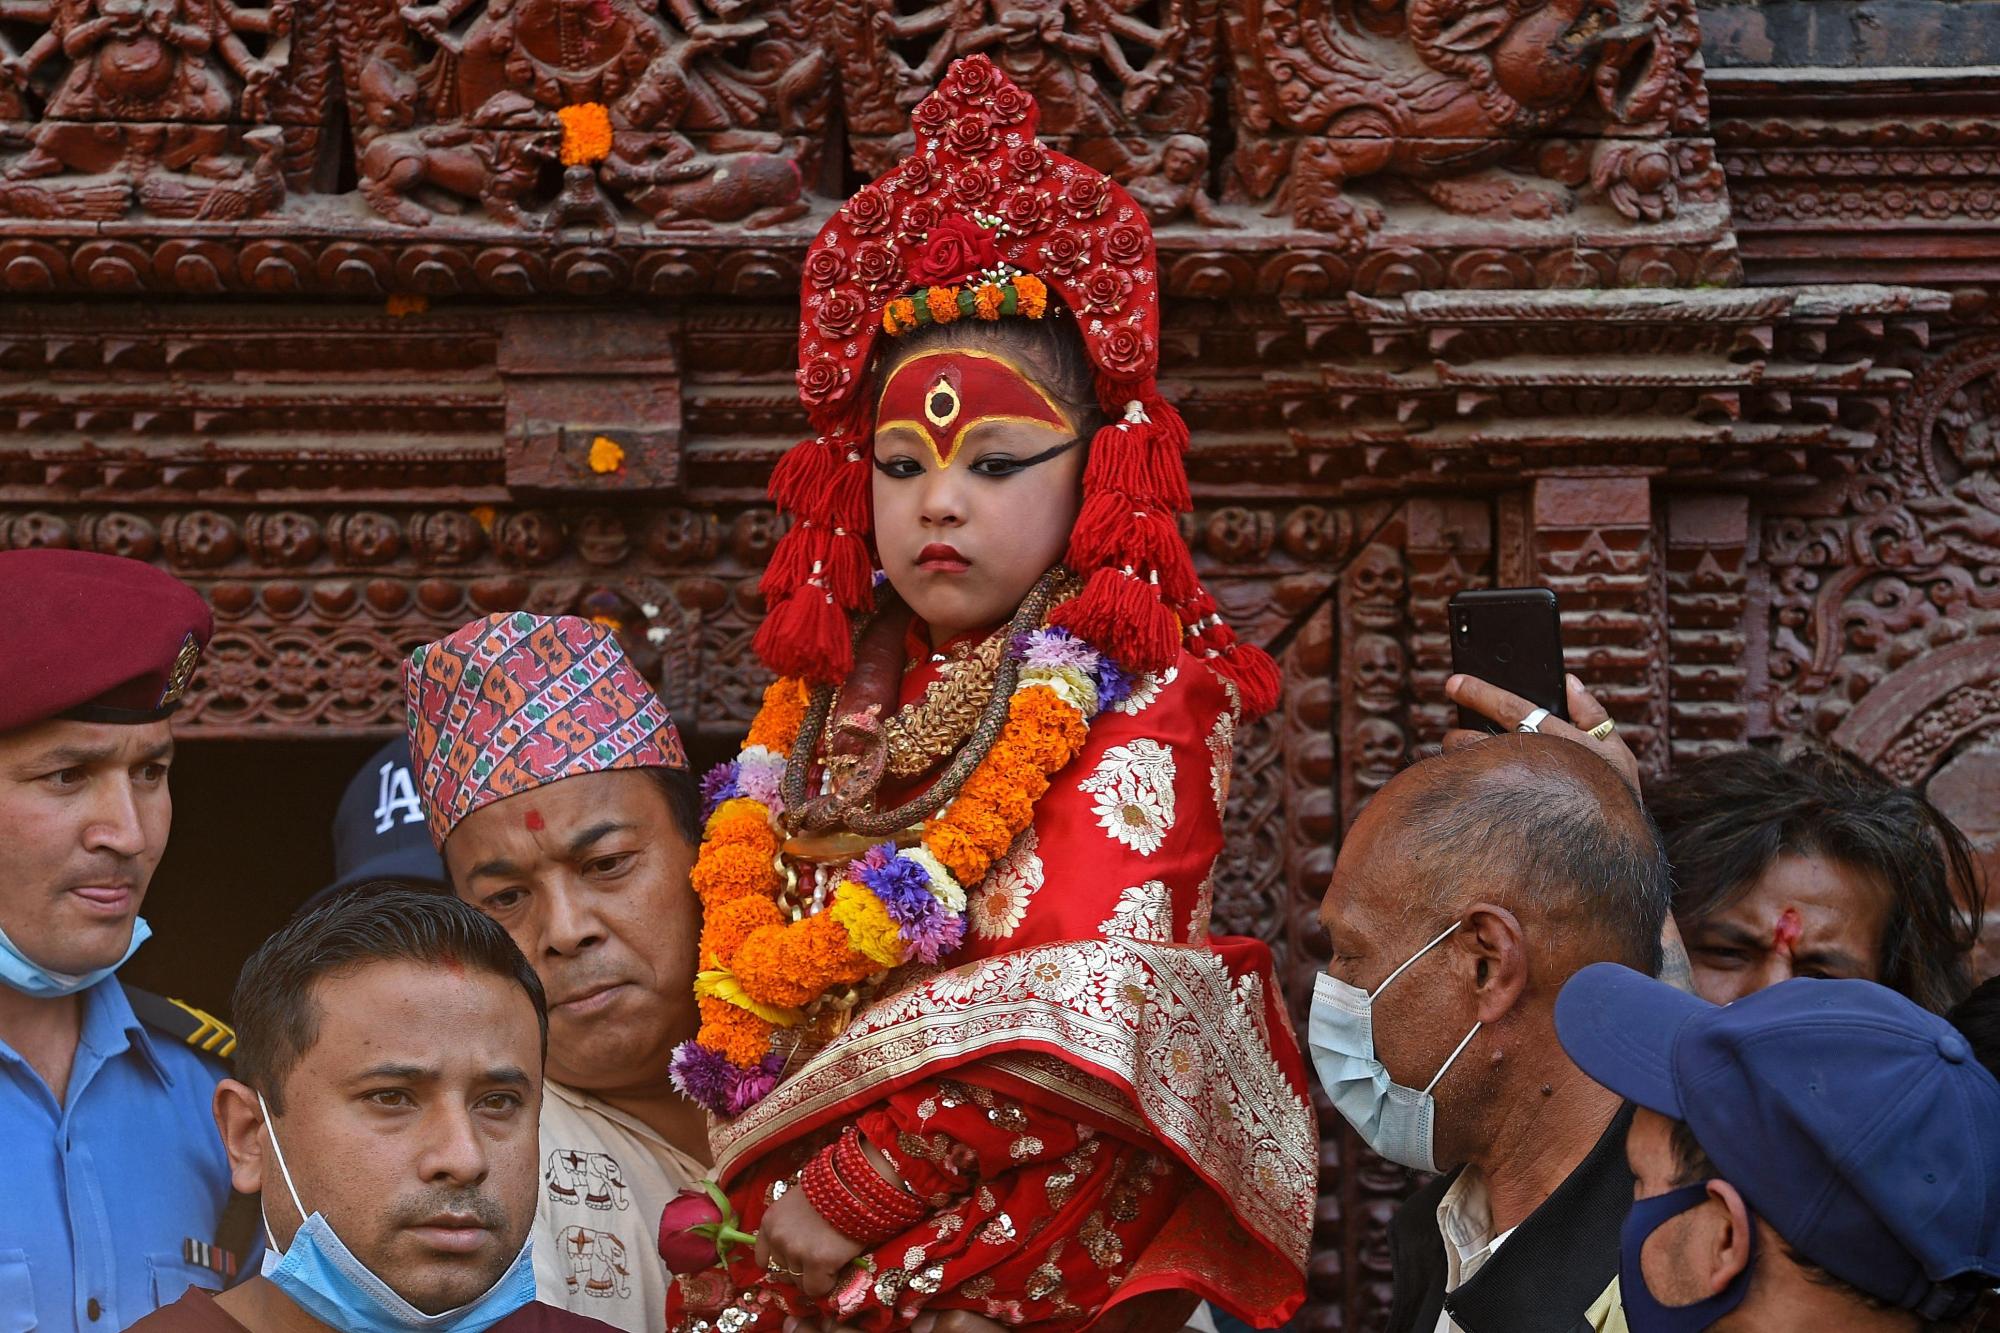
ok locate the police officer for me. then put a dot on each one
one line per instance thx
(116, 1188)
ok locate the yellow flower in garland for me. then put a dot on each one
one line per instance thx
(586, 133)
(871, 932)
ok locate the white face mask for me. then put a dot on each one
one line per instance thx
(1393, 1120)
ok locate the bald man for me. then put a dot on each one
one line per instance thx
(1469, 890)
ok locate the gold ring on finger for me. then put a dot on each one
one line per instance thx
(1603, 729)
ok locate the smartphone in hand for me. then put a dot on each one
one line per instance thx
(1512, 638)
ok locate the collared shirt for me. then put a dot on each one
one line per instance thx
(103, 1193)
(1465, 1220)
(606, 1178)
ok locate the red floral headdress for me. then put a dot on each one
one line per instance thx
(986, 222)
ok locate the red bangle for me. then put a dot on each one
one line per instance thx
(861, 1177)
(846, 1212)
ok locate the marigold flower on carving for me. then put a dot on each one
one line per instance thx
(1134, 786)
(586, 133)
(606, 455)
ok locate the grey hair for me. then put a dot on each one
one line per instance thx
(1576, 855)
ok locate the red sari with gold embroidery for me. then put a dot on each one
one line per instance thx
(1098, 1098)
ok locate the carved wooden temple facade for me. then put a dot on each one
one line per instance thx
(1688, 314)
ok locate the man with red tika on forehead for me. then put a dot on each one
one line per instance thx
(967, 1040)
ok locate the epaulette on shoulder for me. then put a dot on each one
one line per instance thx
(183, 1022)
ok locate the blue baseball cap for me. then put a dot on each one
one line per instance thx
(1858, 1125)
(379, 830)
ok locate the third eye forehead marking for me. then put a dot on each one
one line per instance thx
(942, 404)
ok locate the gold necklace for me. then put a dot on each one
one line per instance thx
(927, 729)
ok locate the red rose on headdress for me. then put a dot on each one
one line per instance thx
(956, 249)
(919, 220)
(1011, 105)
(1065, 253)
(822, 380)
(1025, 211)
(971, 187)
(931, 116)
(868, 212)
(1105, 290)
(840, 314)
(916, 175)
(1126, 244)
(825, 267)
(1085, 196)
(973, 78)
(1124, 353)
(877, 266)
(1027, 163)
(970, 134)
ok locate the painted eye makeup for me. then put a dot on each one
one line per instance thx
(902, 467)
(997, 466)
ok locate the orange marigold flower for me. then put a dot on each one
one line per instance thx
(961, 853)
(726, 927)
(770, 970)
(778, 720)
(986, 301)
(899, 316)
(741, 823)
(737, 1033)
(942, 303)
(586, 133)
(723, 874)
(1031, 296)
(823, 943)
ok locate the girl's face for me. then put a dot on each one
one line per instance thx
(978, 476)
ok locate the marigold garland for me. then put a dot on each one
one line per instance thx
(942, 303)
(891, 905)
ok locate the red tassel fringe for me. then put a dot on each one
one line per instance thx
(806, 635)
(1119, 614)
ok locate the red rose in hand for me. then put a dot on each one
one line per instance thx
(698, 1228)
(1123, 353)
(868, 211)
(955, 249)
(824, 268)
(1125, 245)
(840, 314)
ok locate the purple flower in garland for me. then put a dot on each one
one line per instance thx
(703, 1076)
(718, 785)
(1054, 648)
(1114, 683)
(903, 886)
(753, 1085)
(758, 776)
(936, 935)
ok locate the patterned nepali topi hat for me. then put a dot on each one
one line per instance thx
(985, 222)
(517, 701)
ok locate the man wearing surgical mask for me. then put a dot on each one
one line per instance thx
(389, 1063)
(1470, 888)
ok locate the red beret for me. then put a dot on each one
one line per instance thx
(98, 638)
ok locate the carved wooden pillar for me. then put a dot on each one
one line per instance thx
(1708, 554)
(1591, 539)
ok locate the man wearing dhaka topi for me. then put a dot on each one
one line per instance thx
(557, 789)
(968, 1041)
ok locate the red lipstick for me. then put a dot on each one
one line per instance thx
(939, 558)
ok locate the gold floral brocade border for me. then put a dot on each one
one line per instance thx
(1167, 1026)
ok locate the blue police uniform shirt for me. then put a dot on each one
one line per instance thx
(99, 1197)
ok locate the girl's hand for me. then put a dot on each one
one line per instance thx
(795, 1244)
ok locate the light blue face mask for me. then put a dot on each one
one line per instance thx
(1395, 1121)
(324, 1279)
(29, 977)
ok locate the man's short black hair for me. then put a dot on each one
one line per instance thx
(277, 1018)
(1726, 818)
